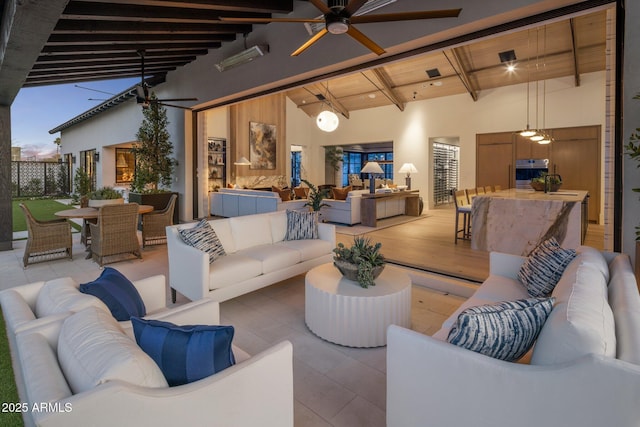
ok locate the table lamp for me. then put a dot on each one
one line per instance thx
(408, 168)
(372, 168)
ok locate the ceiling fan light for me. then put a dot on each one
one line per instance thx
(337, 24)
(327, 121)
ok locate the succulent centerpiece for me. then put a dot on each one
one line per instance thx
(362, 262)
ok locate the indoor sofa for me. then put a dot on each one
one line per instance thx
(256, 256)
(348, 211)
(584, 369)
(231, 202)
(84, 370)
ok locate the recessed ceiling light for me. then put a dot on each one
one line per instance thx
(372, 95)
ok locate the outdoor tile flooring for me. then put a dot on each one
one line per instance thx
(333, 385)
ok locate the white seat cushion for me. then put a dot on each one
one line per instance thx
(93, 349)
(62, 295)
(581, 322)
(308, 248)
(231, 269)
(273, 257)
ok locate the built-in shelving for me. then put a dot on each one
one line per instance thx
(216, 162)
(445, 171)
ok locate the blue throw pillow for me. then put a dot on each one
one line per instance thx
(185, 353)
(117, 292)
(505, 331)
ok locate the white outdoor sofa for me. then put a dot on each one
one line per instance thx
(256, 256)
(584, 369)
(127, 387)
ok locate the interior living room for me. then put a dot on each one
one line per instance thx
(472, 298)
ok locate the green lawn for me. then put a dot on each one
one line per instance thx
(42, 210)
(8, 390)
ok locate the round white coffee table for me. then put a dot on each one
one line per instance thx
(341, 311)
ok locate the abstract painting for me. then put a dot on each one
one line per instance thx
(262, 145)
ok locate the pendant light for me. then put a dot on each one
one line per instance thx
(327, 120)
(528, 132)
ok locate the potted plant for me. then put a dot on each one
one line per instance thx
(540, 181)
(315, 197)
(105, 196)
(81, 187)
(154, 164)
(362, 262)
(633, 151)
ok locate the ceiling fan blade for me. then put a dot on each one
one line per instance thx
(268, 20)
(174, 106)
(353, 6)
(370, 44)
(319, 4)
(406, 16)
(311, 41)
(174, 99)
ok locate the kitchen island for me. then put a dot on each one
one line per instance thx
(515, 221)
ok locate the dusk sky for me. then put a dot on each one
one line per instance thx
(36, 110)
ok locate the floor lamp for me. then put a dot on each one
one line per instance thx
(242, 161)
(372, 168)
(408, 168)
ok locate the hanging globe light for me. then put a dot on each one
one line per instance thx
(327, 121)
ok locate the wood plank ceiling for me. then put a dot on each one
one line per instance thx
(98, 39)
(566, 48)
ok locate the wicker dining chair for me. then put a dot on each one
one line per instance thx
(46, 239)
(116, 232)
(154, 224)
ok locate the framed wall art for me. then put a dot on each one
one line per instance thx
(262, 145)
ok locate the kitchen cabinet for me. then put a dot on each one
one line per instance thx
(575, 156)
(494, 160)
(527, 149)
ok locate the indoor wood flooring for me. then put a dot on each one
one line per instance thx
(428, 244)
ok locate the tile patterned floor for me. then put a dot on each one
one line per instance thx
(333, 385)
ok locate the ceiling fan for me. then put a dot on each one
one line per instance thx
(338, 19)
(142, 92)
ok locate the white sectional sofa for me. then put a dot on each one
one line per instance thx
(230, 202)
(125, 387)
(349, 211)
(256, 256)
(584, 369)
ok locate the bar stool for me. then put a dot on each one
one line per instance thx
(488, 189)
(462, 207)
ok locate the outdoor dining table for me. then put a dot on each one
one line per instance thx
(91, 213)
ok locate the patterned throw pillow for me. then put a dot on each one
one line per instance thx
(185, 353)
(543, 268)
(505, 330)
(301, 225)
(117, 292)
(203, 237)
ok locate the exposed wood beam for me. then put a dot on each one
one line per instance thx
(456, 63)
(68, 39)
(574, 52)
(133, 27)
(266, 6)
(318, 88)
(106, 57)
(131, 47)
(387, 89)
